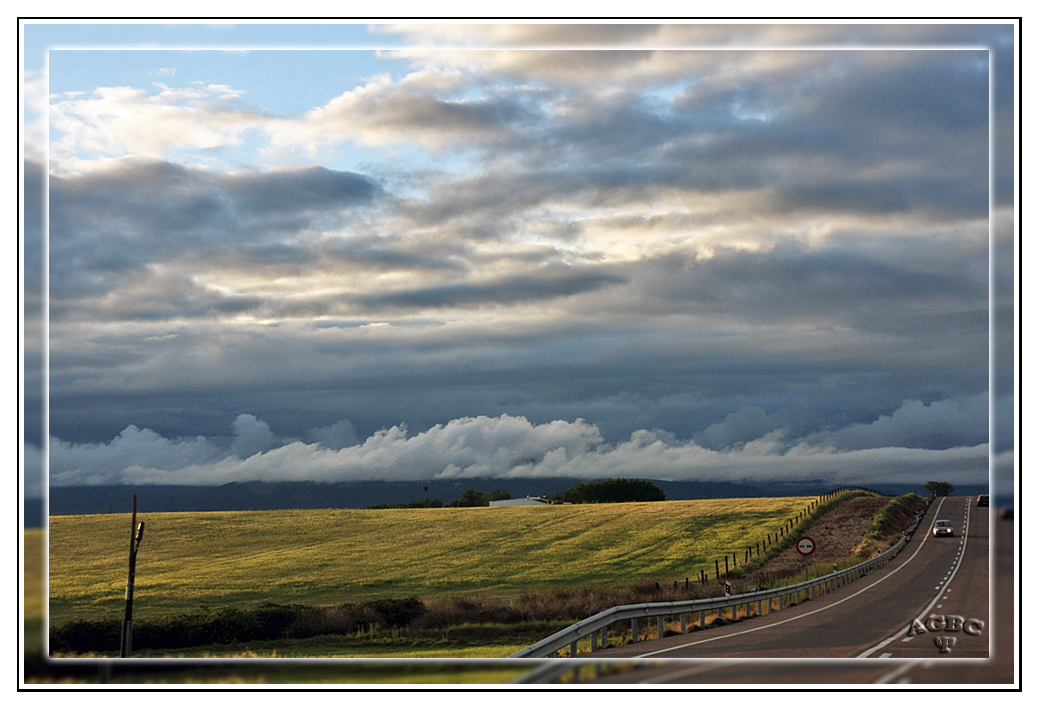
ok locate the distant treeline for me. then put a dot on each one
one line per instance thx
(471, 498)
(612, 490)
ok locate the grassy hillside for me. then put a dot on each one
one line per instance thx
(188, 560)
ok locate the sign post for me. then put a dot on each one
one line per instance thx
(805, 546)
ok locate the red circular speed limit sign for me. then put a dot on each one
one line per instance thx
(805, 546)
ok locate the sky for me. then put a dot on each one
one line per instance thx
(423, 252)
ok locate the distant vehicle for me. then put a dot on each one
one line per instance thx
(942, 527)
(982, 501)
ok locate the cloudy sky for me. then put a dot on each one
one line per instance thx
(422, 252)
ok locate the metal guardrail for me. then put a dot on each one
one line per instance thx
(598, 625)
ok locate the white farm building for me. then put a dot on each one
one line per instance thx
(537, 500)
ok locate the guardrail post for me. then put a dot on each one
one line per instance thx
(702, 621)
(592, 641)
(574, 649)
(660, 627)
(682, 623)
(605, 639)
(635, 630)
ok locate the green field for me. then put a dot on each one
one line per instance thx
(316, 557)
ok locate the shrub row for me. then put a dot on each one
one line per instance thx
(230, 625)
(274, 621)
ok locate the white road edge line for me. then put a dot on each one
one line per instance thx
(901, 634)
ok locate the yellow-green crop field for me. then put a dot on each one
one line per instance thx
(314, 557)
(33, 597)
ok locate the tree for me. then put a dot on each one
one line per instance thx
(501, 494)
(938, 489)
(472, 498)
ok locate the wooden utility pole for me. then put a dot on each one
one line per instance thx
(136, 533)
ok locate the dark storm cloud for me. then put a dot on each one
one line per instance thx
(314, 188)
(112, 230)
(138, 211)
(915, 290)
(386, 252)
(949, 198)
(908, 92)
(868, 134)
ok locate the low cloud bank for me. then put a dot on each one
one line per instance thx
(513, 447)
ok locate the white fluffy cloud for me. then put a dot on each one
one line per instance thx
(251, 436)
(486, 447)
(915, 423)
(99, 464)
(122, 120)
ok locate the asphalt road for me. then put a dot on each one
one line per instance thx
(865, 624)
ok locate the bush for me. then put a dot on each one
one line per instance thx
(891, 520)
(399, 612)
(86, 636)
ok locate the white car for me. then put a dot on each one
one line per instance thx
(942, 527)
